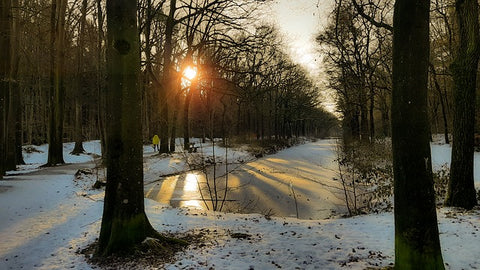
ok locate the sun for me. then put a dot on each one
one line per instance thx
(189, 73)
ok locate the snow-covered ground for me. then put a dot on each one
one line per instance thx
(48, 214)
(441, 155)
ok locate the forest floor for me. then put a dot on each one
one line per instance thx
(50, 214)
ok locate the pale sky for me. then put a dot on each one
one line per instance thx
(300, 21)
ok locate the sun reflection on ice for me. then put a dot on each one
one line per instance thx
(191, 204)
(191, 192)
(191, 183)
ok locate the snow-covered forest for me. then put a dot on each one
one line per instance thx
(51, 214)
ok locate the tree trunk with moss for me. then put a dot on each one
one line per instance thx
(417, 244)
(124, 222)
(461, 187)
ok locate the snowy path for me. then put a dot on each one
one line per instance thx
(42, 214)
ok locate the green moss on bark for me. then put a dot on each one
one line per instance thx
(125, 234)
(415, 257)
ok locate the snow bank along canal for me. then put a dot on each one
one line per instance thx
(296, 182)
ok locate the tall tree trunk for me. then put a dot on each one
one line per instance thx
(186, 120)
(351, 125)
(417, 243)
(57, 87)
(77, 133)
(147, 111)
(10, 164)
(17, 96)
(5, 66)
(167, 76)
(461, 188)
(364, 132)
(18, 126)
(164, 143)
(12, 106)
(371, 111)
(124, 221)
(239, 118)
(174, 120)
(385, 123)
(100, 83)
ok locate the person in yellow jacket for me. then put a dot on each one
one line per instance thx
(156, 142)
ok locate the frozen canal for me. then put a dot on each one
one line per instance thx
(297, 181)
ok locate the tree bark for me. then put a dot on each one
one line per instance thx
(417, 243)
(77, 133)
(17, 96)
(186, 120)
(176, 104)
(57, 87)
(10, 164)
(167, 77)
(364, 132)
(12, 106)
(100, 82)
(124, 221)
(147, 111)
(371, 111)
(5, 72)
(461, 187)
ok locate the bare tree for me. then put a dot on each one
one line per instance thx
(441, 56)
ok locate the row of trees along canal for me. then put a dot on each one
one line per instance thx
(358, 48)
(435, 47)
(246, 86)
(244, 80)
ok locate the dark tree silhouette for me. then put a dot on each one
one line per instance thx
(168, 71)
(78, 148)
(5, 66)
(417, 243)
(461, 188)
(57, 83)
(124, 221)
